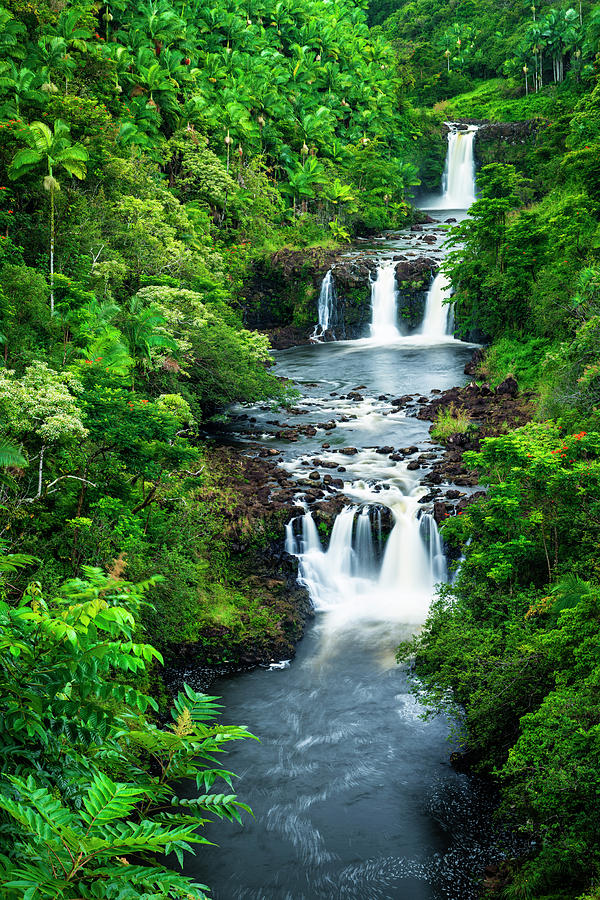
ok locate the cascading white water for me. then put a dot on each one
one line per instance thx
(364, 560)
(349, 580)
(384, 322)
(325, 307)
(438, 563)
(310, 536)
(459, 175)
(437, 319)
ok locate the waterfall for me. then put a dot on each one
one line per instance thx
(364, 558)
(384, 323)
(459, 175)
(311, 541)
(325, 307)
(290, 538)
(437, 558)
(437, 319)
(351, 580)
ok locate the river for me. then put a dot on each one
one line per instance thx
(352, 791)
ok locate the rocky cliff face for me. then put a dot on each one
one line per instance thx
(413, 277)
(281, 297)
(506, 142)
(352, 279)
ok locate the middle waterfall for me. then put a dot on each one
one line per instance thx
(384, 322)
(437, 318)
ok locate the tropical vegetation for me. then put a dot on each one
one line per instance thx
(152, 157)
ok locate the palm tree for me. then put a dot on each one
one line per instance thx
(54, 52)
(10, 455)
(53, 150)
(145, 332)
(12, 33)
(21, 83)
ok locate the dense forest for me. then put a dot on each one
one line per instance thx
(152, 156)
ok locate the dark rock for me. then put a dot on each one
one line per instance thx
(353, 395)
(416, 228)
(508, 387)
(348, 451)
(314, 476)
(413, 278)
(384, 451)
(440, 511)
(413, 466)
(472, 367)
(450, 220)
(402, 401)
(431, 496)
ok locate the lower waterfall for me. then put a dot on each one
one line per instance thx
(353, 579)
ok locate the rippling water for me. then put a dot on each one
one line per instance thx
(352, 791)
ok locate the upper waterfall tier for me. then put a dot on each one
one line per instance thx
(459, 174)
(458, 181)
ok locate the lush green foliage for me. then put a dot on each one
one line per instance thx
(87, 778)
(442, 47)
(516, 641)
(149, 154)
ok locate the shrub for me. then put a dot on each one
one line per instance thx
(453, 420)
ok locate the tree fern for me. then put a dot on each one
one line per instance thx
(78, 812)
(10, 455)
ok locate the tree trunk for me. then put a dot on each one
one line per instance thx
(51, 251)
(40, 471)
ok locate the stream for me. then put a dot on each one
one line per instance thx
(352, 791)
